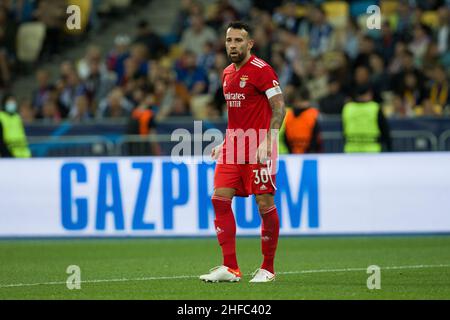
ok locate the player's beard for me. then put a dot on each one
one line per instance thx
(237, 58)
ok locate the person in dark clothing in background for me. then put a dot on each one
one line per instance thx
(407, 66)
(145, 35)
(335, 100)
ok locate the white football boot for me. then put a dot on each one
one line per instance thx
(262, 275)
(222, 274)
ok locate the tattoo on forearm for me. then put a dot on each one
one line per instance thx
(278, 112)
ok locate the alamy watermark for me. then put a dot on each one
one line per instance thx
(249, 146)
(374, 280)
(73, 21)
(73, 281)
(374, 19)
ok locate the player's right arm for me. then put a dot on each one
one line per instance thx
(216, 151)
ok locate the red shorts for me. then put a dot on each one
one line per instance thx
(246, 179)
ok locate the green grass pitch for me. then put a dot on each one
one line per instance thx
(308, 268)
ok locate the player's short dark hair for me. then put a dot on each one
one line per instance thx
(241, 26)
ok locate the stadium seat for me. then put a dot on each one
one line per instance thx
(430, 18)
(301, 11)
(337, 12)
(30, 39)
(388, 7)
(211, 10)
(175, 52)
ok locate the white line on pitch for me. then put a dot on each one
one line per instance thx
(421, 266)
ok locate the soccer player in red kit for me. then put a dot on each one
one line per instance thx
(245, 160)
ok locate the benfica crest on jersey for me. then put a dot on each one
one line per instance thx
(243, 82)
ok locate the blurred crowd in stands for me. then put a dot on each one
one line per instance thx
(13, 14)
(309, 43)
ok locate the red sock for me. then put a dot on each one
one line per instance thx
(269, 237)
(226, 230)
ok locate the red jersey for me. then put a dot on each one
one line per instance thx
(247, 92)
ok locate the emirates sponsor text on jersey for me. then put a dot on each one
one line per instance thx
(234, 99)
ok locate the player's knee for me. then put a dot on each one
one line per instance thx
(264, 204)
(224, 193)
(263, 210)
(221, 200)
(220, 203)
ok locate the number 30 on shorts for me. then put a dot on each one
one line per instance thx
(261, 175)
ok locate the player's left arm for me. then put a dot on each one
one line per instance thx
(278, 113)
(268, 83)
